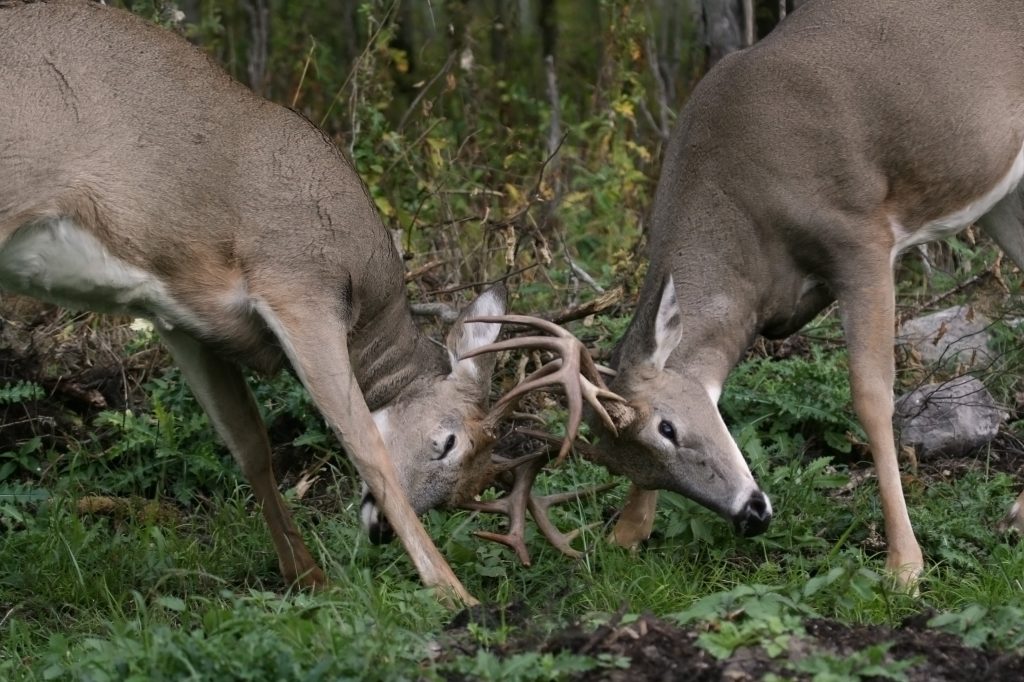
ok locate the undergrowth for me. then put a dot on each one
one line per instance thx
(175, 577)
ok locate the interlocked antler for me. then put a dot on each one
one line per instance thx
(518, 500)
(580, 378)
(575, 371)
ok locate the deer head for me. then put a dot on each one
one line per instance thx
(675, 438)
(436, 428)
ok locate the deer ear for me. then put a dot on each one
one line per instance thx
(668, 327)
(467, 336)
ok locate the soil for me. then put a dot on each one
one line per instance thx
(659, 650)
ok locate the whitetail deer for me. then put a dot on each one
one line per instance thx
(136, 176)
(797, 172)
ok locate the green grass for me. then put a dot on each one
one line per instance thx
(97, 598)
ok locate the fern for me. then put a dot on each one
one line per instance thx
(21, 392)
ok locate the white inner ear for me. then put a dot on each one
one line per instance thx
(668, 328)
(473, 335)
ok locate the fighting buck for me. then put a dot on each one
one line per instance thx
(797, 173)
(137, 177)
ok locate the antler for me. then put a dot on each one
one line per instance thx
(574, 370)
(518, 500)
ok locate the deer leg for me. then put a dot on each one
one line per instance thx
(636, 519)
(220, 388)
(868, 313)
(315, 342)
(1014, 518)
(1005, 224)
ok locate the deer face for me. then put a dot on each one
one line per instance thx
(445, 458)
(677, 440)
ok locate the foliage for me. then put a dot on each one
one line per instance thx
(452, 130)
(794, 399)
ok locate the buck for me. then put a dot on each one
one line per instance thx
(137, 177)
(797, 173)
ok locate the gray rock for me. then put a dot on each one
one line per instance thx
(951, 418)
(953, 334)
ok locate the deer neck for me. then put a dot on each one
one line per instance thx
(389, 353)
(730, 288)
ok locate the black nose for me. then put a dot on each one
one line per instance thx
(755, 516)
(381, 533)
(377, 527)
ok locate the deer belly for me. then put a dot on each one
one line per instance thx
(59, 262)
(948, 225)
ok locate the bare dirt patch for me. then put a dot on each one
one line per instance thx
(657, 649)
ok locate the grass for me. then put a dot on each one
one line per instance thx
(193, 593)
(182, 582)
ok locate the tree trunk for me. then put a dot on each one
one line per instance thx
(722, 28)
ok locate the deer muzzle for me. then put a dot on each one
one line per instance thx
(755, 516)
(374, 522)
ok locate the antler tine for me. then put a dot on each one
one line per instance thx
(575, 371)
(513, 505)
(519, 500)
(539, 507)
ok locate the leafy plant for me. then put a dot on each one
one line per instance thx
(872, 662)
(798, 397)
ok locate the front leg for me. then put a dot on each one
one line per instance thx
(1014, 518)
(636, 519)
(867, 304)
(315, 342)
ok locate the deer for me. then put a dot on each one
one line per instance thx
(137, 177)
(797, 173)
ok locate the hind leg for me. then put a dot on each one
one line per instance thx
(1005, 224)
(220, 388)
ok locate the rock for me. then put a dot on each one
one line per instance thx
(955, 334)
(951, 418)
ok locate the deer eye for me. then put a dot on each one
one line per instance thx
(449, 445)
(668, 431)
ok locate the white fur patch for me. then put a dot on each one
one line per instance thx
(714, 392)
(949, 225)
(60, 262)
(383, 421)
(737, 463)
(273, 323)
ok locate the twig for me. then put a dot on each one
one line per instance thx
(748, 23)
(422, 270)
(423, 91)
(440, 310)
(358, 63)
(305, 68)
(594, 306)
(977, 279)
(605, 631)
(580, 272)
(659, 89)
(555, 131)
(473, 285)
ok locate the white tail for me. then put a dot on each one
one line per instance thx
(798, 171)
(136, 176)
